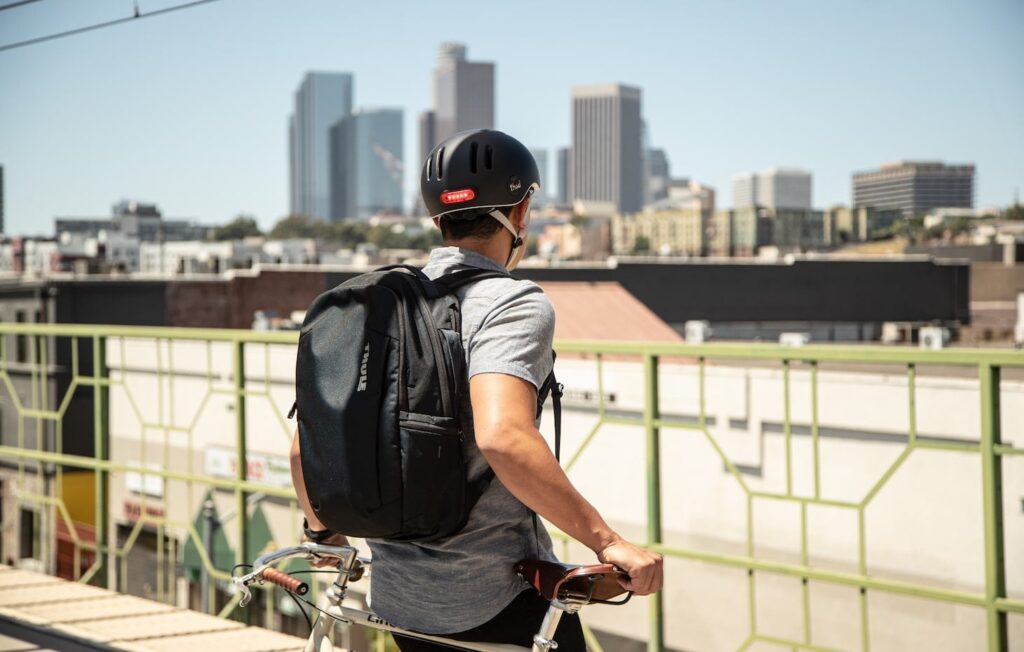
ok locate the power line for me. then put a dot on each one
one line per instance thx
(109, 23)
(17, 4)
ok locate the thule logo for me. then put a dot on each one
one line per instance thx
(362, 369)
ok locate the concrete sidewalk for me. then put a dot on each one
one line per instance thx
(39, 613)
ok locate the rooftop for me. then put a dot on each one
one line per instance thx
(621, 316)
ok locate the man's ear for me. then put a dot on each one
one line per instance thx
(519, 213)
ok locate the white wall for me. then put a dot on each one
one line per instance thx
(924, 526)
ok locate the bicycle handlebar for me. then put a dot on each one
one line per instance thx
(285, 581)
(263, 571)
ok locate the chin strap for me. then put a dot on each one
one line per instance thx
(516, 240)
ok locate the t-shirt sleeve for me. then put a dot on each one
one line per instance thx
(515, 337)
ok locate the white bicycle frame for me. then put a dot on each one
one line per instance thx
(337, 614)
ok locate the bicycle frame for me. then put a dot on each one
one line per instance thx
(350, 568)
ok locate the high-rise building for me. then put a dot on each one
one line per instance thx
(744, 189)
(366, 164)
(607, 162)
(774, 188)
(562, 171)
(463, 93)
(543, 196)
(915, 187)
(428, 137)
(321, 100)
(659, 176)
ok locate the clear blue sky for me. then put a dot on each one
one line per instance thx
(190, 109)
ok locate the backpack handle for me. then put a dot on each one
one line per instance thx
(415, 271)
(455, 280)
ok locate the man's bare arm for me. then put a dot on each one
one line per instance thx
(300, 486)
(312, 521)
(503, 419)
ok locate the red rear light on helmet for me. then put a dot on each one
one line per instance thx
(458, 196)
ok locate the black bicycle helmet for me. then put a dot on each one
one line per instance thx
(483, 169)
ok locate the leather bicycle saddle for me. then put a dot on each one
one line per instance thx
(556, 581)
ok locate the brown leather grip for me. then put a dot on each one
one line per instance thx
(285, 581)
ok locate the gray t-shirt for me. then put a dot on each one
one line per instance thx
(462, 581)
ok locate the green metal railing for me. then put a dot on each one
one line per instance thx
(38, 342)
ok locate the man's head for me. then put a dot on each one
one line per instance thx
(477, 185)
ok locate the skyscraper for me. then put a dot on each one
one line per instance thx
(321, 100)
(606, 168)
(744, 189)
(774, 188)
(428, 137)
(544, 195)
(366, 164)
(915, 187)
(562, 171)
(463, 94)
(659, 175)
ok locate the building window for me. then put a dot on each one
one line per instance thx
(28, 542)
(21, 340)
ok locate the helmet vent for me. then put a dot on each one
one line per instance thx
(473, 147)
(440, 163)
(430, 167)
(488, 157)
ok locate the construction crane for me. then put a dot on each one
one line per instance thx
(394, 164)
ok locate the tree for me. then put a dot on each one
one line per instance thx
(426, 240)
(346, 233)
(1015, 212)
(642, 244)
(960, 225)
(243, 226)
(297, 226)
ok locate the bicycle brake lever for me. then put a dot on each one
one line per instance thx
(243, 587)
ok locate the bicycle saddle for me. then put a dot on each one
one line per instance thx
(556, 581)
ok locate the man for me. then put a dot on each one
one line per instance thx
(477, 186)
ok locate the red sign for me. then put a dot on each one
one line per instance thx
(133, 510)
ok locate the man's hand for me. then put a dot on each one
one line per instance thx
(646, 574)
(324, 562)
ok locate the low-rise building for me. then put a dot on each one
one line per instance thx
(843, 224)
(735, 232)
(115, 241)
(579, 238)
(679, 232)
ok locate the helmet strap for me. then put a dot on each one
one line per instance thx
(517, 241)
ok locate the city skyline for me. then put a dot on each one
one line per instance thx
(202, 135)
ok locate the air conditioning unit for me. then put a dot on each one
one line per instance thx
(697, 331)
(891, 333)
(794, 339)
(932, 337)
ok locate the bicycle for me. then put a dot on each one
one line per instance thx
(567, 587)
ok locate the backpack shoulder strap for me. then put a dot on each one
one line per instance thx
(554, 388)
(455, 280)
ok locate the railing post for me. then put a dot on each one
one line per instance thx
(101, 444)
(242, 466)
(992, 499)
(656, 640)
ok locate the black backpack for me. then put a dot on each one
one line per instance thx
(379, 376)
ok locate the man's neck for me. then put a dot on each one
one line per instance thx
(496, 247)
